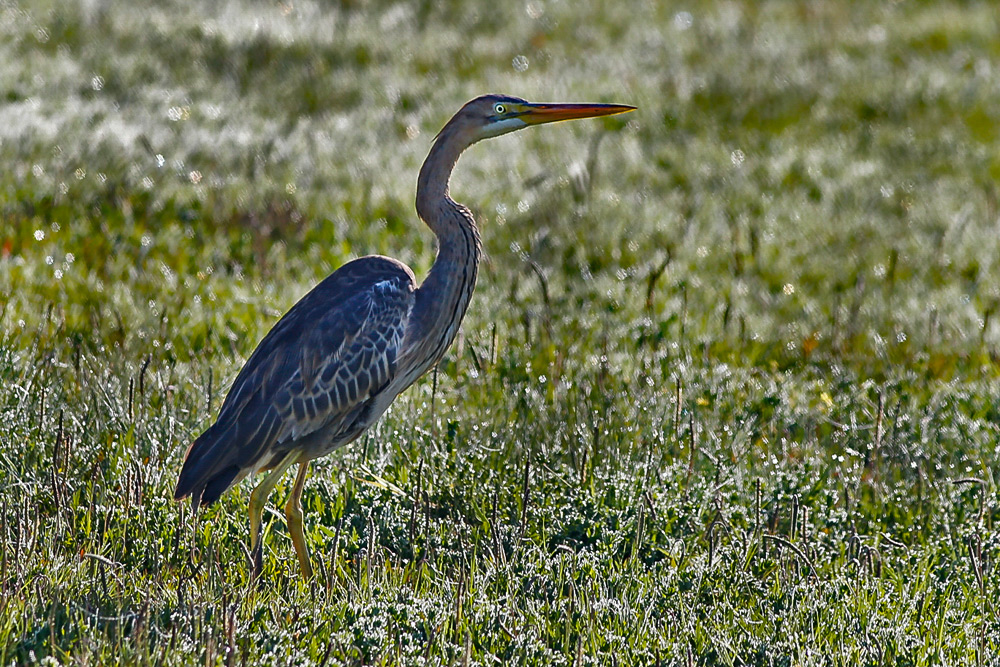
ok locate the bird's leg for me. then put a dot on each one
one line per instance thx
(257, 500)
(293, 512)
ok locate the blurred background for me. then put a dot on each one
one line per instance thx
(815, 175)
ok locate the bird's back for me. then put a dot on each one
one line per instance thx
(310, 380)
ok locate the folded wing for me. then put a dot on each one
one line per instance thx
(311, 377)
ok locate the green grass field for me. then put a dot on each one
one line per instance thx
(728, 392)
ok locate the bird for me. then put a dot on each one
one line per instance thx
(332, 365)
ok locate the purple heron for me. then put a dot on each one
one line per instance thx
(335, 361)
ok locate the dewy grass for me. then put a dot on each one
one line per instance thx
(727, 392)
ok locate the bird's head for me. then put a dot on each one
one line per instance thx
(482, 118)
(493, 115)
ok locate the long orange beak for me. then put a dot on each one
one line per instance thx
(536, 114)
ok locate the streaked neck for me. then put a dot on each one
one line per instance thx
(443, 297)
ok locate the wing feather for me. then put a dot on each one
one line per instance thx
(337, 379)
(311, 374)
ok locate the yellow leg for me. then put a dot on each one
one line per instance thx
(293, 512)
(257, 500)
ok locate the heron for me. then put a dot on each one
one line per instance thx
(333, 364)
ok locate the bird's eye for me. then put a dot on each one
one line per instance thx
(499, 109)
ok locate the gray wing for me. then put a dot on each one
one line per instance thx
(331, 382)
(312, 374)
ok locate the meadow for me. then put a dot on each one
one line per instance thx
(728, 392)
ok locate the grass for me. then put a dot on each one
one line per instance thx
(727, 393)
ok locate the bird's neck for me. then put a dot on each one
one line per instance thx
(443, 297)
(432, 183)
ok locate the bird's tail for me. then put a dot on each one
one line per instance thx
(208, 472)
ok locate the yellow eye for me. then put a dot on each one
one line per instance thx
(499, 109)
